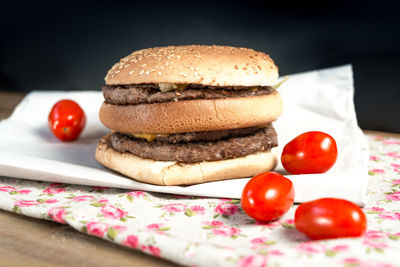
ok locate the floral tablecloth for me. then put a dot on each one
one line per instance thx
(216, 232)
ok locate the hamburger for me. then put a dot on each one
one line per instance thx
(184, 115)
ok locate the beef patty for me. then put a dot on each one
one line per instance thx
(149, 93)
(263, 139)
(205, 136)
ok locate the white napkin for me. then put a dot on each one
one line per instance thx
(318, 100)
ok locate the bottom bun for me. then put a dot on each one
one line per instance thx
(174, 173)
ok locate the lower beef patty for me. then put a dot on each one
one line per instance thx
(233, 147)
(148, 93)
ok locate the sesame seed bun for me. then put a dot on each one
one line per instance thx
(192, 115)
(196, 64)
(173, 173)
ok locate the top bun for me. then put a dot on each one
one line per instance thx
(195, 64)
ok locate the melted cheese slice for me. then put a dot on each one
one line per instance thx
(149, 137)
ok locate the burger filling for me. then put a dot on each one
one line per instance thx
(156, 93)
(199, 146)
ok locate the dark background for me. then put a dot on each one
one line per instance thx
(64, 45)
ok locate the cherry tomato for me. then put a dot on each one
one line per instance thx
(310, 152)
(330, 218)
(66, 120)
(267, 196)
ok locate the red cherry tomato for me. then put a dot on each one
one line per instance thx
(310, 152)
(267, 196)
(66, 120)
(330, 218)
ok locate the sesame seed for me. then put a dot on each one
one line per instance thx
(144, 65)
(141, 72)
(130, 73)
(117, 71)
(147, 72)
(159, 73)
(178, 56)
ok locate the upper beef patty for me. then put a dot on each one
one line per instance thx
(149, 93)
(262, 139)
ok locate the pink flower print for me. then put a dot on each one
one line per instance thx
(372, 234)
(377, 171)
(378, 209)
(391, 142)
(390, 215)
(57, 214)
(154, 226)
(198, 209)
(310, 247)
(83, 198)
(154, 251)
(258, 241)
(174, 207)
(227, 209)
(396, 167)
(226, 231)
(289, 221)
(253, 261)
(393, 196)
(394, 155)
(120, 228)
(351, 261)
(275, 252)
(7, 189)
(111, 212)
(396, 182)
(225, 199)
(26, 203)
(213, 223)
(374, 158)
(49, 201)
(131, 241)
(158, 228)
(376, 245)
(54, 188)
(137, 194)
(96, 228)
(339, 248)
(24, 191)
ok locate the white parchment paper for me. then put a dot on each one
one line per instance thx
(318, 100)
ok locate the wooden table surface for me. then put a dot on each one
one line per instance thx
(25, 241)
